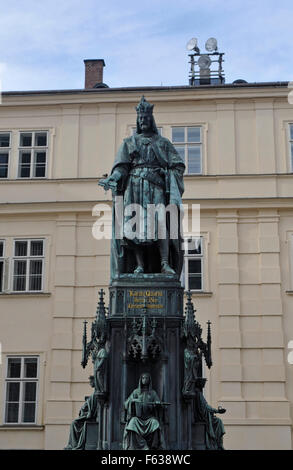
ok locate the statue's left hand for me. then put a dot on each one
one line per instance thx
(108, 183)
(221, 410)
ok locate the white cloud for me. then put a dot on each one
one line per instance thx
(43, 43)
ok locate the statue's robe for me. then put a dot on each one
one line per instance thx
(139, 161)
(214, 425)
(77, 433)
(192, 363)
(143, 429)
(100, 366)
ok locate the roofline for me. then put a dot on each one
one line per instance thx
(283, 84)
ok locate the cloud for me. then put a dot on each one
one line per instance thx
(43, 43)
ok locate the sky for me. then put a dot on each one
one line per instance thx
(43, 43)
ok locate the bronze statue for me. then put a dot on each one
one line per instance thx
(195, 349)
(192, 365)
(214, 426)
(97, 348)
(77, 433)
(143, 429)
(99, 357)
(147, 171)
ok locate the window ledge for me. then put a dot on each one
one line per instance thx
(25, 294)
(196, 293)
(20, 427)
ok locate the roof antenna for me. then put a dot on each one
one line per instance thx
(205, 76)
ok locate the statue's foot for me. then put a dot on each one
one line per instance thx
(138, 270)
(166, 269)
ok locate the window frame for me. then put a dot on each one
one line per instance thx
(187, 144)
(21, 380)
(290, 143)
(187, 257)
(28, 258)
(32, 149)
(6, 150)
(2, 260)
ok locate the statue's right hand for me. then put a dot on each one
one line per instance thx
(108, 183)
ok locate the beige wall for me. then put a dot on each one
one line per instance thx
(246, 220)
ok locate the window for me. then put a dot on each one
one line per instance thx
(4, 264)
(188, 143)
(21, 390)
(291, 145)
(28, 265)
(193, 264)
(33, 154)
(1, 265)
(4, 153)
(22, 265)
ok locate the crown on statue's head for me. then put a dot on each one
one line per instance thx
(144, 107)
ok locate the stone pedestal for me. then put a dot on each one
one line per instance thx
(146, 332)
(146, 298)
(199, 436)
(91, 435)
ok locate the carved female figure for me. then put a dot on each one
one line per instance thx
(143, 429)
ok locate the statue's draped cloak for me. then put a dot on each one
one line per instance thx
(192, 361)
(214, 425)
(100, 359)
(138, 162)
(142, 431)
(77, 428)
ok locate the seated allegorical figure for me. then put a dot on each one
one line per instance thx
(214, 425)
(77, 433)
(143, 429)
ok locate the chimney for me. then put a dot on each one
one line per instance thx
(94, 73)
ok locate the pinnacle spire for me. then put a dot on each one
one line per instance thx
(100, 322)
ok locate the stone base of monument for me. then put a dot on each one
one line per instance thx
(145, 320)
(199, 436)
(148, 335)
(91, 435)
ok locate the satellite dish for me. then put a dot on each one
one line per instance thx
(204, 62)
(192, 44)
(211, 45)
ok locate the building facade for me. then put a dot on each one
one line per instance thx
(237, 142)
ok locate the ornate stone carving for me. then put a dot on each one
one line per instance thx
(96, 347)
(144, 341)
